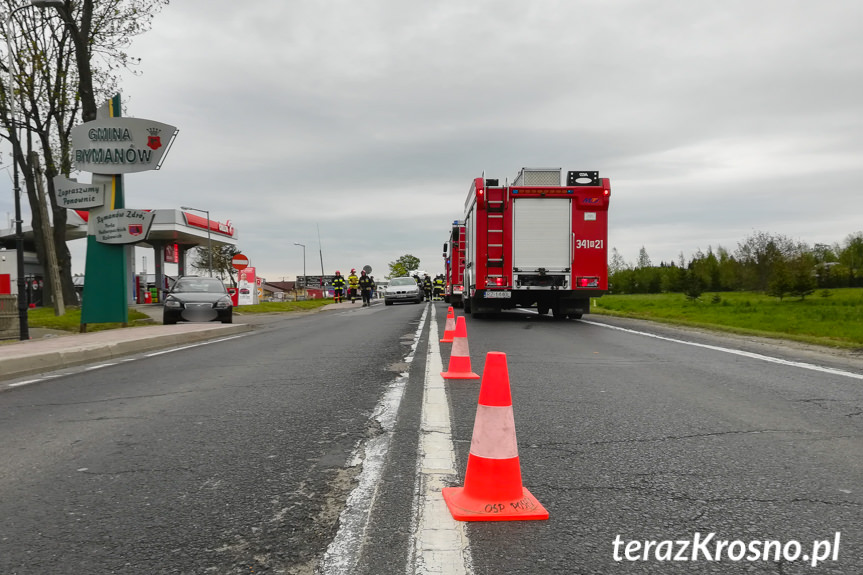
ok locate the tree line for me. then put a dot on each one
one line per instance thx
(771, 263)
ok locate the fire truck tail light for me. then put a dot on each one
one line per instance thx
(498, 282)
(587, 282)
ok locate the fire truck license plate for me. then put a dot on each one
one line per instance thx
(498, 295)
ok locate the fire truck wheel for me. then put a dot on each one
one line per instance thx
(542, 309)
(575, 316)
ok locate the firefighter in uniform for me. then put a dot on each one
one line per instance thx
(365, 283)
(353, 283)
(338, 287)
(438, 287)
(427, 287)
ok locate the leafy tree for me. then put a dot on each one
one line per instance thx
(780, 282)
(729, 271)
(617, 262)
(692, 285)
(803, 280)
(223, 255)
(643, 259)
(403, 266)
(758, 255)
(851, 256)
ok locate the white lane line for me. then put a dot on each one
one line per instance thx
(172, 350)
(440, 545)
(124, 360)
(99, 366)
(749, 354)
(344, 551)
(26, 382)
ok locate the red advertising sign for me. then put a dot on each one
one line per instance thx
(172, 254)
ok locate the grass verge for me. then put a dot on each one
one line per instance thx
(830, 317)
(283, 306)
(43, 317)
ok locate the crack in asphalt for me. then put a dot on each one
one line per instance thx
(110, 399)
(683, 437)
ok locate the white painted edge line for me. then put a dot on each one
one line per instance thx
(344, 550)
(99, 366)
(34, 380)
(199, 344)
(124, 360)
(440, 544)
(749, 354)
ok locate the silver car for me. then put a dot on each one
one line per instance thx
(402, 289)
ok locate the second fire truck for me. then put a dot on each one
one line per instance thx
(453, 258)
(536, 242)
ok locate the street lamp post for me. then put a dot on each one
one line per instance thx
(209, 240)
(23, 326)
(305, 287)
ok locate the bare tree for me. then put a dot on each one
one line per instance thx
(64, 65)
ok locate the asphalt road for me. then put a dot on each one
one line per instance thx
(240, 456)
(622, 434)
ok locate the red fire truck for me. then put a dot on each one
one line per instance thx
(453, 258)
(536, 242)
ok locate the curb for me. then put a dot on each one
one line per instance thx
(29, 363)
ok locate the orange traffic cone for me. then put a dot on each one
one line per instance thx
(492, 483)
(449, 327)
(459, 359)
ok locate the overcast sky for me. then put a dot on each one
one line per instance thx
(368, 120)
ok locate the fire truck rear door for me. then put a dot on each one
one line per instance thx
(542, 233)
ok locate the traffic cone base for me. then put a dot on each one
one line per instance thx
(465, 508)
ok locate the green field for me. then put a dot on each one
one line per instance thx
(829, 317)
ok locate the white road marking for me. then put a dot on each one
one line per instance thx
(99, 366)
(123, 360)
(199, 344)
(26, 382)
(440, 545)
(344, 550)
(749, 354)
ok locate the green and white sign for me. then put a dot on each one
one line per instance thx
(122, 226)
(121, 145)
(74, 196)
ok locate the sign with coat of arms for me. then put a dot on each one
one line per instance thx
(122, 226)
(121, 145)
